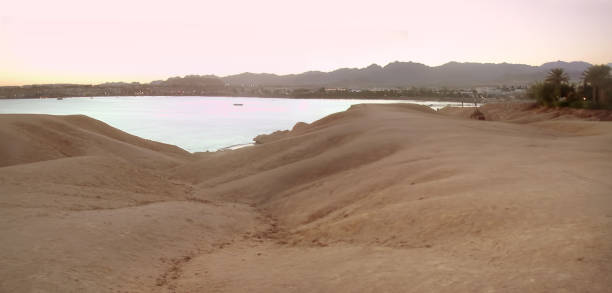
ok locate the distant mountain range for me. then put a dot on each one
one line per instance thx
(373, 81)
(407, 74)
(393, 75)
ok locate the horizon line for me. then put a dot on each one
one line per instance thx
(302, 72)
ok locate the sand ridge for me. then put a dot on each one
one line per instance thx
(395, 198)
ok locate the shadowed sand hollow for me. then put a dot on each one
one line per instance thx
(395, 198)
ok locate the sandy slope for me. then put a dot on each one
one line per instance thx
(378, 198)
(88, 208)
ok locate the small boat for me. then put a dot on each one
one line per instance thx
(237, 104)
(59, 99)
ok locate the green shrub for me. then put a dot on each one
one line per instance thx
(543, 93)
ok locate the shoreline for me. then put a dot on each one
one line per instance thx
(433, 99)
(236, 146)
(109, 109)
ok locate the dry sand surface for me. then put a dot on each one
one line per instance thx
(380, 198)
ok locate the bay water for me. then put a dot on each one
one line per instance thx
(196, 124)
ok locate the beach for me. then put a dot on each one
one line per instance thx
(388, 197)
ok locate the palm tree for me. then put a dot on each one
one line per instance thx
(557, 76)
(597, 75)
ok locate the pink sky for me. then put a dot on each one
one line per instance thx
(98, 41)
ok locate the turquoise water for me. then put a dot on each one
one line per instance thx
(195, 123)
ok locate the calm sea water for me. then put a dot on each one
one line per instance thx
(195, 123)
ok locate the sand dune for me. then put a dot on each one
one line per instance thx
(33, 138)
(377, 198)
(529, 112)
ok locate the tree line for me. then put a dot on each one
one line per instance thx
(594, 91)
